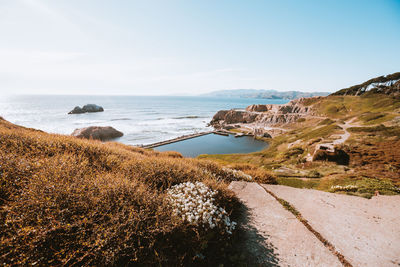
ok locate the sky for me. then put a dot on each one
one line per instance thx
(189, 47)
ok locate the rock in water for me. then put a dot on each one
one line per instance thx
(76, 110)
(86, 108)
(98, 133)
(92, 108)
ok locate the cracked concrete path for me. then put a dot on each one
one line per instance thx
(365, 231)
(291, 242)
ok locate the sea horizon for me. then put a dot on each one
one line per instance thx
(142, 119)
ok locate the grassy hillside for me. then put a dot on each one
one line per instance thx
(67, 201)
(377, 86)
(373, 146)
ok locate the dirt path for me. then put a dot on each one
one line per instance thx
(343, 137)
(366, 232)
(285, 240)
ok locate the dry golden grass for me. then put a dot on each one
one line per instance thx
(259, 175)
(67, 201)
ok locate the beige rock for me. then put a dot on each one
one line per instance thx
(257, 108)
(97, 132)
(265, 114)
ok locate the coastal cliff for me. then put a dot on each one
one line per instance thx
(264, 115)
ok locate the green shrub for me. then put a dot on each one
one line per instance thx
(371, 116)
(294, 151)
(298, 183)
(365, 187)
(331, 109)
(386, 131)
(326, 121)
(314, 174)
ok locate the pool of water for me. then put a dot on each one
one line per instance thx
(215, 144)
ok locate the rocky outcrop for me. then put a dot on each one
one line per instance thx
(234, 116)
(280, 118)
(263, 114)
(97, 133)
(220, 115)
(224, 117)
(267, 135)
(337, 155)
(86, 108)
(257, 108)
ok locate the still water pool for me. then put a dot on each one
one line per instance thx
(215, 144)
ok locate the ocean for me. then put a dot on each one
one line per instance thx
(142, 119)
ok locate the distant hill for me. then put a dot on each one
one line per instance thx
(388, 85)
(265, 94)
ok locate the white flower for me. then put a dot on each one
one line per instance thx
(196, 204)
(344, 188)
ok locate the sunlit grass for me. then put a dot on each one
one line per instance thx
(68, 201)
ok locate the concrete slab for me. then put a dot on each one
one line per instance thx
(292, 243)
(365, 231)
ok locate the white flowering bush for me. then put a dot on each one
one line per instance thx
(346, 188)
(239, 175)
(194, 203)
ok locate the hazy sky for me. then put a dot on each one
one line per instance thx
(187, 47)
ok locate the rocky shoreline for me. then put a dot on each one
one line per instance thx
(263, 119)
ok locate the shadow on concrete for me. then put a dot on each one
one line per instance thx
(254, 248)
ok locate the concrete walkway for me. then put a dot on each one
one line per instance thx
(365, 231)
(286, 240)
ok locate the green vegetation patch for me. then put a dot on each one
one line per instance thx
(324, 131)
(363, 187)
(298, 183)
(292, 152)
(376, 117)
(381, 129)
(371, 116)
(350, 106)
(326, 121)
